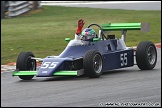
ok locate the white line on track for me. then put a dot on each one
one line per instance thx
(84, 2)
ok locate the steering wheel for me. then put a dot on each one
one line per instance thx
(102, 33)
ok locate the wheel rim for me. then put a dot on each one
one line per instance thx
(97, 63)
(151, 55)
(31, 65)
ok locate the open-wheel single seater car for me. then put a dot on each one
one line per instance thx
(104, 53)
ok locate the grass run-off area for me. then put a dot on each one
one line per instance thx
(43, 31)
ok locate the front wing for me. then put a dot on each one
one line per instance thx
(59, 73)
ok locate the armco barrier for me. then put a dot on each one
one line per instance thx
(18, 7)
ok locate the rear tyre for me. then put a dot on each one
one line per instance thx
(146, 55)
(25, 63)
(92, 64)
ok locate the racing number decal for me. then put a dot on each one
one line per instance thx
(123, 58)
(49, 65)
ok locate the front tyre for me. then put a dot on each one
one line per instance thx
(146, 55)
(92, 64)
(25, 63)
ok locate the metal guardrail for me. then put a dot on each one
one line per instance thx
(18, 7)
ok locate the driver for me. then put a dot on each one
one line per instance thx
(87, 34)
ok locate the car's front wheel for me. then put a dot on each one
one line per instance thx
(92, 64)
(25, 63)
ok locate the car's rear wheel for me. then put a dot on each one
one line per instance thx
(92, 64)
(146, 55)
(25, 63)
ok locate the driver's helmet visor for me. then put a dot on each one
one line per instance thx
(86, 37)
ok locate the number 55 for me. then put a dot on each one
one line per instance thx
(49, 64)
(123, 58)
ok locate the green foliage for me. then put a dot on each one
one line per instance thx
(44, 31)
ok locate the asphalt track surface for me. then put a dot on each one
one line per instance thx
(122, 87)
(125, 5)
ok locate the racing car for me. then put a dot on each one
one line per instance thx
(104, 53)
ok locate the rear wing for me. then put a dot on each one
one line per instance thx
(144, 26)
(123, 27)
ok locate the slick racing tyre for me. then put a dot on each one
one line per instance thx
(146, 55)
(92, 64)
(25, 63)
